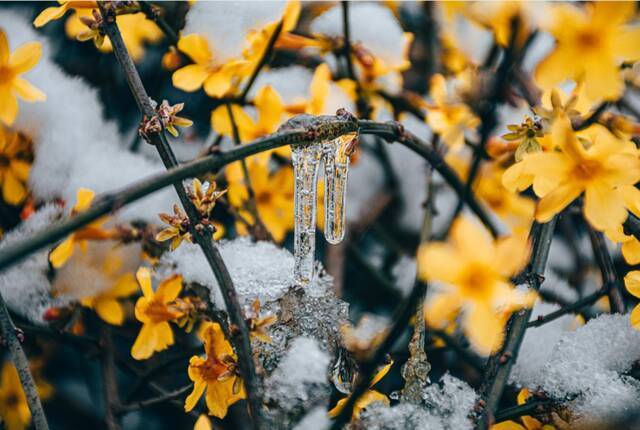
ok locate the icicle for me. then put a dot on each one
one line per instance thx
(306, 161)
(336, 167)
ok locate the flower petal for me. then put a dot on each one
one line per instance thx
(632, 283)
(169, 289)
(25, 57)
(13, 191)
(62, 253)
(554, 202)
(483, 328)
(8, 107)
(197, 48)
(604, 207)
(192, 399)
(145, 343)
(110, 311)
(27, 92)
(189, 78)
(144, 279)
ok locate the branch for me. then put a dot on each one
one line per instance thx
(574, 307)
(165, 397)
(499, 366)
(331, 128)
(263, 62)
(19, 359)
(110, 386)
(610, 277)
(151, 12)
(240, 338)
(368, 368)
(524, 409)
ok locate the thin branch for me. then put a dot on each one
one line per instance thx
(110, 386)
(266, 55)
(610, 278)
(574, 307)
(152, 13)
(524, 409)
(19, 359)
(164, 397)
(499, 366)
(240, 339)
(593, 118)
(368, 368)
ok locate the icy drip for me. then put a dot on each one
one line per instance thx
(336, 168)
(306, 161)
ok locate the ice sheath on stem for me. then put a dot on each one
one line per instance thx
(306, 161)
(336, 167)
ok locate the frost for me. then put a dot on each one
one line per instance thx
(74, 145)
(25, 286)
(589, 363)
(447, 406)
(373, 25)
(227, 23)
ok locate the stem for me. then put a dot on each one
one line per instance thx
(19, 359)
(154, 16)
(165, 397)
(266, 55)
(108, 368)
(240, 338)
(610, 278)
(576, 306)
(499, 366)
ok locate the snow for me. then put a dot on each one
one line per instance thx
(316, 419)
(590, 363)
(259, 270)
(372, 24)
(75, 146)
(25, 286)
(448, 405)
(226, 23)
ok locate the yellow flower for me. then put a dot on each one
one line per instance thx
(135, 28)
(204, 197)
(105, 303)
(14, 409)
(203, 423)
(273, 195)
(632, 282)
(218, 79)
(12, 86)
(56, 12)
(270, 110)
(528, 423)
(154, 311)
(475, 271)
(605, 172)
(370, 396)
(448, 117)
(216, 373)
(591, 43)
(61, 253)
(498, 15)
(15, 152)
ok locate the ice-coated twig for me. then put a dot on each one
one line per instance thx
(499, 366)
(19, 359)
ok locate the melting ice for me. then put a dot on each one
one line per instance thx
(306, 161)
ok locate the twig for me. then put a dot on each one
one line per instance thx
(240, 339)
(368, 368)
(110, 386)
(574, 307)
(593, 118)
(523, 409)
(499, 366)
(266, 55)
(610, 278)
(487, 112)
(19, 359)
(164, 397)
(151, 13)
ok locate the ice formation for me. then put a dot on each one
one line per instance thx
(306, 164)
